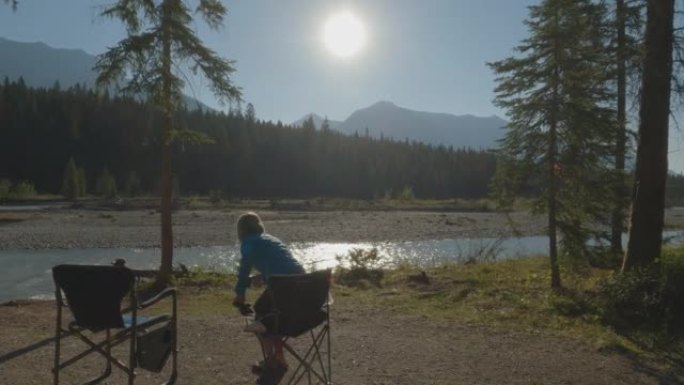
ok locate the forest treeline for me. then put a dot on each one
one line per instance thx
(116, 141)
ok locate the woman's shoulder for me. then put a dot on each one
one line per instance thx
(270, 238)
(261, 239)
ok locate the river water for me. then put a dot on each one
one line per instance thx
(27, 273)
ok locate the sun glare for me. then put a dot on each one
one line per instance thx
(344, 35)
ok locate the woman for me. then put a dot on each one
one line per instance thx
(268, 255)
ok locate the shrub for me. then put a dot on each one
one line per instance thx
(73, 183)
(359, 268)
(5, 186)
(406, 194)
(22, 190)
(649, 300)
(106, 185)
(133, 186)
(215, 196)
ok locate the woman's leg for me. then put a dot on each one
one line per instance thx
(272, 347)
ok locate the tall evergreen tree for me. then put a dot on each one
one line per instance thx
(648, 206)
(557, 141)
(250, 113)
(625, 28)
(71, 188)
(105, 185)
(160, 37)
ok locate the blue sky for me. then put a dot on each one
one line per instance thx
(426, 55)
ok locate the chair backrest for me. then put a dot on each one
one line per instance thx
(94, 293)
(300, 295)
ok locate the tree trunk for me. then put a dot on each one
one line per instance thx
(553, 171)
(553, 192)
(646, 227)
(618, 218)
(166, 268)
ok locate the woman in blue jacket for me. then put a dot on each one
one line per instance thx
(268, 255)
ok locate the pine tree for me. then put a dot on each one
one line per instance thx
(159, 38)
(106, 184)
(557, 141)
(71, 183)
(325, 126)
(82, 182)
(648, 207)
(132, 184)
(250, 113)
(626, 31)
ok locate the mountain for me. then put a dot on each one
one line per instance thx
(391, 121)
(41, 66)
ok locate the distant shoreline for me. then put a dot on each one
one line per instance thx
(138, 228)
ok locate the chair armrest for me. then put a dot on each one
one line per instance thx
(161, 295)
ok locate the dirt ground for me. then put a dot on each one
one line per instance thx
(369, 347)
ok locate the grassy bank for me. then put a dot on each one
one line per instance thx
(505, 295)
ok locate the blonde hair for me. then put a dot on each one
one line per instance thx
(249, 224)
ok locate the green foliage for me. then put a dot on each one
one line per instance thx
(159, 35)
(5, 186)
(82, 182)
(556, 96)
(241, 162)
(359, 268)
(406, 194)
(74, 182)
(198, 277)
(22, 190)
(106, 184)
(215, 196)
(647, 299)
(133, 186)
(674, 191)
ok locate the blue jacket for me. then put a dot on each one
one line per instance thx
(268, 255)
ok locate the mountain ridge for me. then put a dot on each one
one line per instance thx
(388, 120)
(41, 65)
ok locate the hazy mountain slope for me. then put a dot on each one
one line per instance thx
(41, 66)
(388, 120)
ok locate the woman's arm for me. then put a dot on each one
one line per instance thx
(243, 273)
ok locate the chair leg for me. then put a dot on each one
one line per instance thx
(131, 359)
(108, 368)
(174, 355)
(317, 353)
(304, 362)
(174, 347)
(58, 339)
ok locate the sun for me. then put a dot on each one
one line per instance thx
(344, 35)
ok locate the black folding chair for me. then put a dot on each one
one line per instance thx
(94, 295)
(300, 305)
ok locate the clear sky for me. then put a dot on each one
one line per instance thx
(427, 55)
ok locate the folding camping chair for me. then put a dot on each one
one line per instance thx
(300, 305)
(94, 295)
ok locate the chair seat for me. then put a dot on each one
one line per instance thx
(292, 325)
